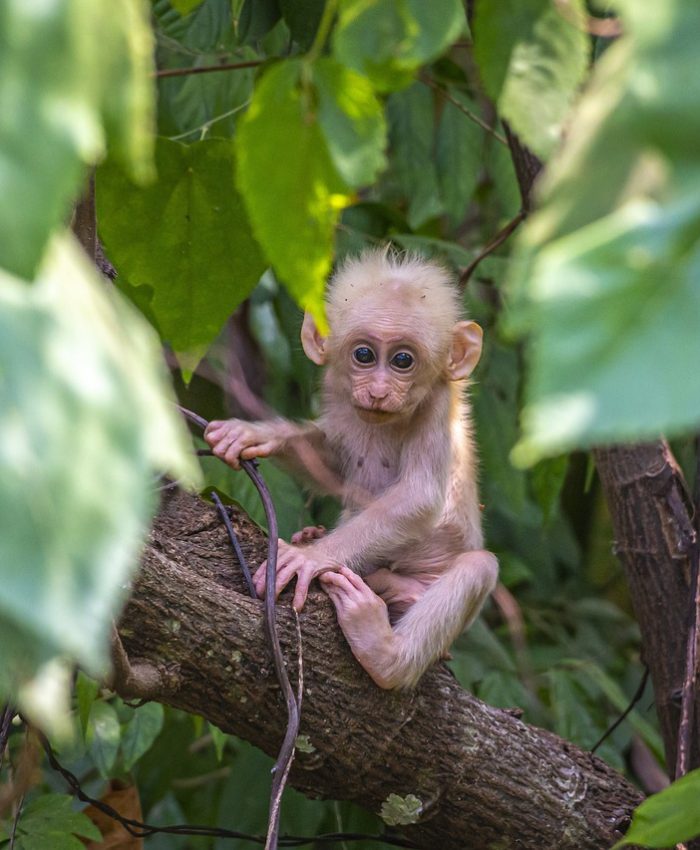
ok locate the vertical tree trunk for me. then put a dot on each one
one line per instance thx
(652, 519)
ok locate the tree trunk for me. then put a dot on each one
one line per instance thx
(652, 518)
(483, 777)
(654, 539)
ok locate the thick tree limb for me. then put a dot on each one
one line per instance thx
(485, 779)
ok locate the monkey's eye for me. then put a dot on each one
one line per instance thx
(402, 360)
(363, 355)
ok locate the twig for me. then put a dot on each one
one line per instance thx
(497, 241)
(233, 537)
(635, 699)
(286, 753)
(207, 69)
(691, 654)
(6, 715)
(464, 109)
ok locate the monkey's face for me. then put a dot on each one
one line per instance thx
(386, 375)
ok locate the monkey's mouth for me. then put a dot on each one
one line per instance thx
(374, 414)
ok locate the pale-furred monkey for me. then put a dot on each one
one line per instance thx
(395, 427)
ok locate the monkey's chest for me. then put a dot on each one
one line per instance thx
(371, 472)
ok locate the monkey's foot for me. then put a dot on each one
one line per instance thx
(307, 534)
(364, 620)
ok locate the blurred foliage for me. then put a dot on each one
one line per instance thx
(345, 124)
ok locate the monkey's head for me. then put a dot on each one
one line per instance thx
(395, 333)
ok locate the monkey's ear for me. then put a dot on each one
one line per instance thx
(312, 342)
(465, 351)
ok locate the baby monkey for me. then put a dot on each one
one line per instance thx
(405, 567)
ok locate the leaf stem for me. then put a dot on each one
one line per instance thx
(323, 30)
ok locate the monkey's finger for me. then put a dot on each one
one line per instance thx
(338, 599)
(353, 578)
(335, 581)
(304, 579)
(258, 450)
(260, 579)
(284, 576)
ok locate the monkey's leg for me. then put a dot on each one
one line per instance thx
(398, 658)
(399, 591)
(307, 534)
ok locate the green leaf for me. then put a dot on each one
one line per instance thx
(140, 732)
(669, 817)
(86, 691)
(184, 7)
(257, 18)
(201, 260)
(68, 72)
(103, 736)
(52, 815)
(299, 242)
(84, 411)
(412, 158)
(546, 480)
(287, 495)
(459, 156)
(352, 121)
(532, 56)
(302, 17)
(219, 739)
(389, 39)
(605, 280)
(584, 385)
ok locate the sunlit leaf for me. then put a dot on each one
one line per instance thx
(201, 260)
(70, 73)
(606, 277)
(84, 421)
(352, 121)
(291, 188)
(533, 55)
(389, 39)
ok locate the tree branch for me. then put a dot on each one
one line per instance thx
(464, 760)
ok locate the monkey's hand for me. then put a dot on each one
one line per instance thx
(234, 440)
(304, 562)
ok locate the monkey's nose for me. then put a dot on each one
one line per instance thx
(378, 393)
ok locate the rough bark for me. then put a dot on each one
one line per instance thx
(485, 778)
(654, 539)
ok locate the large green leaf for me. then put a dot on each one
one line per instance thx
(140, 732)
(388, 40)
(532, 55)
(66, 69)
(51, 821)
(352, 121)
(669, 817)
(606, 277)
(459, 156)
(291, 188)
(103, 736)
(411, 132)
(201, 260)
(84, 420)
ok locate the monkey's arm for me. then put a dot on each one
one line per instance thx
(234, 440)
(404, 512)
